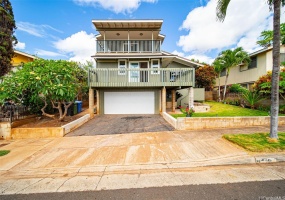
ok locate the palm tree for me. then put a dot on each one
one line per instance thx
(221, 11)
(218, 67)
(232, 58)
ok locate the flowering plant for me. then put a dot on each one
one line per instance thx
(189, 111)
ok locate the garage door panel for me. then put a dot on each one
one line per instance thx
(129, 102)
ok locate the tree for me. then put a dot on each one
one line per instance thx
(263, 84)
(221, 12)
(205, 77)
(55, 82)
(218, 67)
(7, 39)
(231, 58)
(266, 37)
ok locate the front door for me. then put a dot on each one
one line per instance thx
(134, 74)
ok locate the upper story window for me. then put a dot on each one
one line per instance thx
(223, 72)
(155, 65)
(282, 57)
(122, 65)
(253, 63)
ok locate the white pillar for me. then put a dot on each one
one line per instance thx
(191, 97)
(163, 99)
(97, 102)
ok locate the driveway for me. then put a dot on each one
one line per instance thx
(117, 124)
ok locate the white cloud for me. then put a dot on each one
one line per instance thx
(175, 52)
(36, 30)
(41, 52)
(79, 46)
(243, 24)
(117, 6)
(20, 45)
(199, 57)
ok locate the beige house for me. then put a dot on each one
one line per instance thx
(133, 75)
(261, 62)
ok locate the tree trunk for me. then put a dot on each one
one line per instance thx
(275, 71)
(43, 110)
(225, 87)
(219, 94)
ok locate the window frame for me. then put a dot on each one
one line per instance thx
(152, 66)
(122, 71)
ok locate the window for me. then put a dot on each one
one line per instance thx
(223, 72)
(155, 65)
(282, 57)
(122, 66)
(253, 63)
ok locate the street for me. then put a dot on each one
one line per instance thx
(245, 190)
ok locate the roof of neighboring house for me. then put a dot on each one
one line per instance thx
(24, 54)
(262, 50)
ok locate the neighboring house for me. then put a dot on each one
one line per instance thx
(261, 62)
(133, 74)
(21, 57)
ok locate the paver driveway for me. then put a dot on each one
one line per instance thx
(117, 124)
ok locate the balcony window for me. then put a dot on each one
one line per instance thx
(122, 64)
(155, 65)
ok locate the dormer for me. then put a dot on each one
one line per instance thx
(128, 36)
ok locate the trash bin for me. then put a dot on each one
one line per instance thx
(75, 108)
(70, 110)
(79, 106)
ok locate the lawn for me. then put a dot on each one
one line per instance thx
(258, 142)
(4, 152)
(225, 110)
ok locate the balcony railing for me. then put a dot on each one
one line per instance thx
(141, 77)
(128, 46)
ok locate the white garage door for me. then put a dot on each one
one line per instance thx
(129, 102)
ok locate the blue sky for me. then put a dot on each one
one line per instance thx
(62, 29)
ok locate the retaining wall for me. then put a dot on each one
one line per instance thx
(6, 132)
(197, 123)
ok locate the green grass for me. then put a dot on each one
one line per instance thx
(258, 142)
(4, 152)
(225, 110)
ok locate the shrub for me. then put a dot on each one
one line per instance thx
(236, 88)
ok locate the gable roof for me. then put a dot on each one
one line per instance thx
(24, 54)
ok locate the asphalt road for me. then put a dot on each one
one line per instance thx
(273, 190)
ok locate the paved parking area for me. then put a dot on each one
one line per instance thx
(117, 124)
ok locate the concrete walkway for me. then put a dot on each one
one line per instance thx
(123, 161)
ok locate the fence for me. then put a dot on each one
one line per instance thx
(11, 113)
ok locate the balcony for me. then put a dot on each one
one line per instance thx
(128, 46)
(171, 77)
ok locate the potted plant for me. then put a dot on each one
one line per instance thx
(189, 111)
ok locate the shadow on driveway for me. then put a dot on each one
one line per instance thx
(118, 124)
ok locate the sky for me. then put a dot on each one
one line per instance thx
(63, 29)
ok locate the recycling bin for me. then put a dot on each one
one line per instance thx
(75, 108)
(79, 106)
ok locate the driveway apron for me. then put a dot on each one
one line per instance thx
(118, 124)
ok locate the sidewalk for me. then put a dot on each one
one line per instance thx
(124, 160)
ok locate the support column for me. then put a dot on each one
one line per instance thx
(97, 102)
(173, 95)
(91, 102)
(191, 97)
(163, 99)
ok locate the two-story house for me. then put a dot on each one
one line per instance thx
(261, 62)
(133, 74)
